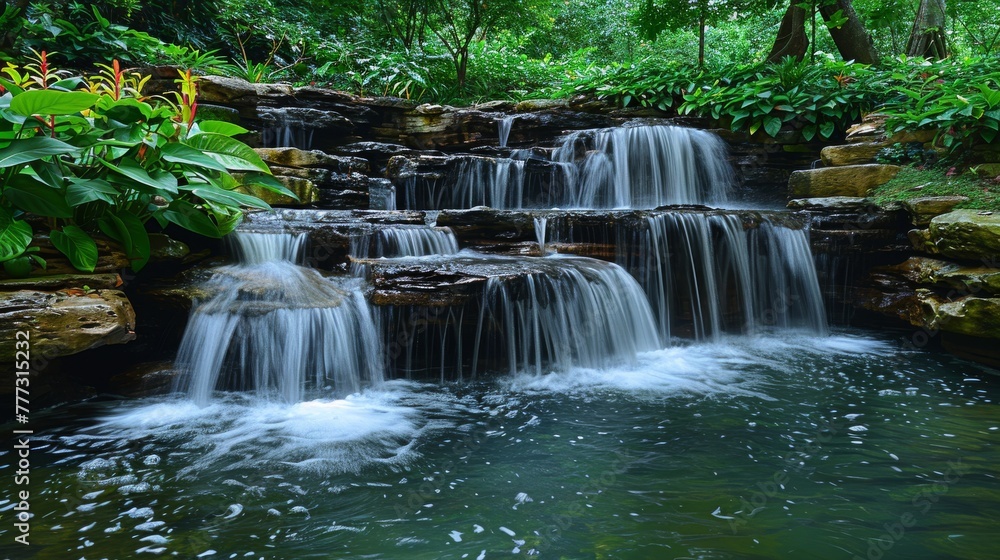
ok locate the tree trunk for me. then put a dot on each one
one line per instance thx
(462, 67)
(927, 36)
(851, 38)
(791, 40)
(701, 38)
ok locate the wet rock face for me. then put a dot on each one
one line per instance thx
(852, 180)
(967, 234)
(923, 209)
(65, 323)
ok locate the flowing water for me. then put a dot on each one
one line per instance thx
(271, 326)
(771, 446)
(503, 129)
(628, 167)
(686, 402)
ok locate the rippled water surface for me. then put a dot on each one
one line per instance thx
(766, 447)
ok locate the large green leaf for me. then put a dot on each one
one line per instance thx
(235, 155)
(82, 191)
(772, 125)
(31, 149)
(191, 218)
(220, 127)
(52, 102)
(179, 153)
(15, 236)
(127, 229)
(77, 245)
(31, 196)
(212, 193)
(131, 169)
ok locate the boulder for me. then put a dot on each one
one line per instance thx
(968, 234)
(540, 105)
(207, 111)
(957, 279)
(850, 154)
(851, 180)
(973, 316)
(165, 248)
(923, 209)
(294, 157)
(305, 118)
(65, 323)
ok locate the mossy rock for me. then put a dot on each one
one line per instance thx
(968, 234)
(851, 180)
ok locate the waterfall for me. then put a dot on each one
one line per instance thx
(401, 241)
(405, 241)
(787, 288)
(276, 328)
(647, 166)
(579, 312)
(540, 222)
(281, 130)
(503, 129)
(636, 167)
(705, 275)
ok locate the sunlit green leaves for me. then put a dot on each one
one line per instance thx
(51, 102)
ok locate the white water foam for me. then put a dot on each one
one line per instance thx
(728, 367)
(375, 427)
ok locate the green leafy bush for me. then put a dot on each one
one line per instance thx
(960, 99)
(83, 156)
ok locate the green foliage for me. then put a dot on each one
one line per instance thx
(960, 99)
(106, 159)
(817, 99)
(82, 34)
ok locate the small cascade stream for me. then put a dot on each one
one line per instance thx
(503, 129)
(627, 167)
(405, 241)
(277, 328)
(579, 312)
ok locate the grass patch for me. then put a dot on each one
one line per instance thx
(914, 182)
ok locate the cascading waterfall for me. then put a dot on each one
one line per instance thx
(401, 241)
(277, 328)
(633, 167)
(540, 223)
(503, 129)
(705, 275)
(406, 241)
(647, 166)
(787, 288)
(580, 312)
(283, 131)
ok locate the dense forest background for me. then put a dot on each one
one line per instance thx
(471, 50)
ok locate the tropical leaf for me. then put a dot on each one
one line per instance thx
(52, 102)
(77, 245)
(233, 154)
(32, 149)
(127, 229)
(15, 236)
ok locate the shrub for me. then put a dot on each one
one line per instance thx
(93, 155)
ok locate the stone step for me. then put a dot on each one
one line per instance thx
(850, 180)
(850, 154)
